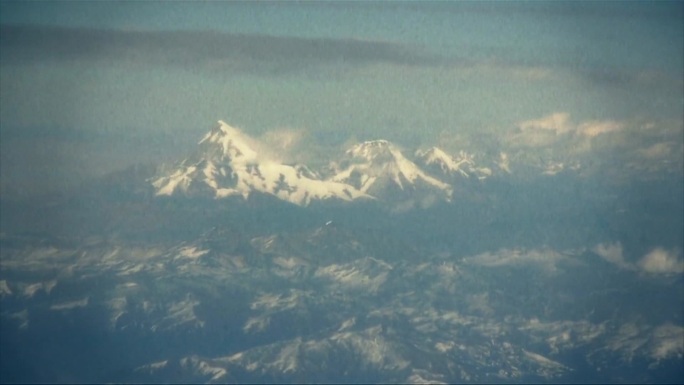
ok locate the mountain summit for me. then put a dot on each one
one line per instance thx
(437, 160)
(228, 164)
(228, 143)
(378, 168)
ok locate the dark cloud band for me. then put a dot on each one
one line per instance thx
(25, 44)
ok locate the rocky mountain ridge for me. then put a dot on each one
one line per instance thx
(229, 163)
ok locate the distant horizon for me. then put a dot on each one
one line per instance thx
(90, 88)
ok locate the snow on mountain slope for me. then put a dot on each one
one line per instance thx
(376, 166)
(463, 164)
(228, 164)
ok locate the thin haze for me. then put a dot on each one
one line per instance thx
(92, 87)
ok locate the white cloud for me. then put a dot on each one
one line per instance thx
(504, 163)
(613, 254)
(657, 261)
(668, 340)
(661, 342)
(558, 122)
(629, 338)
(283, 138)
(284, 144)
(550, 129)
(598, 127)
(616, 148)
(661, 261)
(563, 335)
(545, 258)
(658, 150)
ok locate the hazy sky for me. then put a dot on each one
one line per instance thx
(90, 87)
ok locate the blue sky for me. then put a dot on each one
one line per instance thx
(97, 86)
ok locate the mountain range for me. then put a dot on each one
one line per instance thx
(229, 163)
(388, 266)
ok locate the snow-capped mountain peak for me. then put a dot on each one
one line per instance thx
(233, 143)
(375, 166)
(370, 150)
(463, 164)
(227, 164)
(437, 156)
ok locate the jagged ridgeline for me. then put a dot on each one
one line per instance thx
(230, 163)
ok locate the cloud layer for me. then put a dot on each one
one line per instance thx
(661, 261)
(642, 149)
(657, 261)
(200, 50)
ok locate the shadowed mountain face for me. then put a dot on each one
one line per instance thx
(231, 266)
